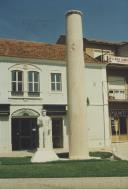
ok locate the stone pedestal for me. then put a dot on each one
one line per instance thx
(44, 155)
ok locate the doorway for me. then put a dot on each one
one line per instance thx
(123, 126)
(119, 127)
(24, 133)
(57, 132)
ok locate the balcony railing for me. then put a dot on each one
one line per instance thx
(17, 93)
(34, 94)
(23, 94)
(117, 94)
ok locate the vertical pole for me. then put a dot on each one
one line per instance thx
(78, 138)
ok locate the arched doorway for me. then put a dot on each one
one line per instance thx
(24, 129)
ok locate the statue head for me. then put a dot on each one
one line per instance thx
(43, 112)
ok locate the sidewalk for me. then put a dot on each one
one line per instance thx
(120, 149)
(25, 153)
(66, 183)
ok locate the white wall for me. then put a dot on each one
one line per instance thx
(94, 85)
(45, 68)
(116, 82)
(4, 77)
(50, 97)
(5, 134)
(97, 110)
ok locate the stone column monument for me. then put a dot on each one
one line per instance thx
(78, 138)
(45, 151)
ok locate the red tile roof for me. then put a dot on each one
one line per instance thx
(37, 50)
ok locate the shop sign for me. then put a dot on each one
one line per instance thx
(119, 113)
(117, 60)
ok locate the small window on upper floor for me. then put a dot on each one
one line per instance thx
(17, 82)
(56, 82)
(33, 83)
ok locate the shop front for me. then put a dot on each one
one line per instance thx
(119, 122)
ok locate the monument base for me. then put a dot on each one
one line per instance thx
(44, 155)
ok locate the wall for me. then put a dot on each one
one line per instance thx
(5, 134)
(97, 109)
(4, 77)
(123, 51)
(95, 50)
(45, 67)
(50, 97)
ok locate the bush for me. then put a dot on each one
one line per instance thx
(102, 155)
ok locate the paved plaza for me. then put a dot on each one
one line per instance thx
(66, 183)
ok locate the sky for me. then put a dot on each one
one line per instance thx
(44, 20)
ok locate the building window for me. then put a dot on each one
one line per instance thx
(17, 82)
(33, 83)
(56, 82)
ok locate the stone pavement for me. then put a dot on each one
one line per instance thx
(120, 149)
(66, 183)
(26, 153)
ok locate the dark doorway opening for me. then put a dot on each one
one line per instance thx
(123, 126)
(57, 132)
(24, 133)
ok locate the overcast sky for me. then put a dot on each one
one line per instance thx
(44, 20)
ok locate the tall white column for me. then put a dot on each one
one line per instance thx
(78, 138)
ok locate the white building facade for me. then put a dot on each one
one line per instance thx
(115, 56)
(32, 77)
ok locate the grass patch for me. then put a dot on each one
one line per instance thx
(14, 160)
(23, 168)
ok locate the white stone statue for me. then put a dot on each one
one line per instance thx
(45, 151)
(45, 131)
